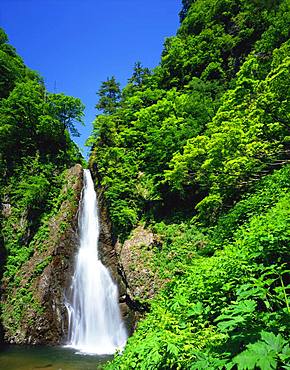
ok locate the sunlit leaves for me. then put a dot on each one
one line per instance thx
(241, 137)
(192, 144)
(264, 354)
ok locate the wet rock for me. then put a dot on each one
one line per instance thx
(107, 249)
(42, 320)
(135, 262)
(6, 209)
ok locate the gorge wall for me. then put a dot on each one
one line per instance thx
(129, 264)
(32, 301)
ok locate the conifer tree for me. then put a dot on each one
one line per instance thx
(109, 96)
(139, 74)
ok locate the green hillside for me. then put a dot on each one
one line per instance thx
(197, 150)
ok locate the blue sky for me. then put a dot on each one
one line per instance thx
(77, 44)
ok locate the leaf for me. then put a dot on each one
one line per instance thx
(285, 355)
(172, 348)
(236, 314)
(267, 363)
(230, 324)
(196, 309)
(245, 360)
(275, 342)
(249, 291)
(257, 354)
(263, 353)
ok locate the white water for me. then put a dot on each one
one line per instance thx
(95, 324)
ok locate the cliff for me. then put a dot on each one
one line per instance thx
(130, 263)
(32, 301)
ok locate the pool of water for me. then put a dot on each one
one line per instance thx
(47, 358)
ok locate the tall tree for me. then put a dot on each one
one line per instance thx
(109, 96)
(139, 74)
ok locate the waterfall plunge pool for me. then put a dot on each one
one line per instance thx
(13, 357)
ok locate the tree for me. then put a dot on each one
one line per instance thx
(139, 74)
(3, 37)
(67, 110)
(109, 96)
(185, 7)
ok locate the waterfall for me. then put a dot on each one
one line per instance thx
(94, 320)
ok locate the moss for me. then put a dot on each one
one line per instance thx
(41, 265)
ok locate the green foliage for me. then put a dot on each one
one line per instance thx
(13, 314)
(198, 149)
(33, 122)
(265, 193)
(12, 68)
(41, 265)
(109, 96)
(139, 75)
(35, 151)
(65, 110)
(265, 353)
(242, 138)
(27, 236)
(215, 308)
(205, 121)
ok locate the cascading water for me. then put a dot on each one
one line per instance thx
(95, 324)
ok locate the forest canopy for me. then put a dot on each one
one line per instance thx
(197, 151)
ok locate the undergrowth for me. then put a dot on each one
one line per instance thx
(226, 302)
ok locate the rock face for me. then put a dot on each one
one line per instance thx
(106, 243)
(130, 265)
(135, 262)
(109, 258)
(45, 276)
